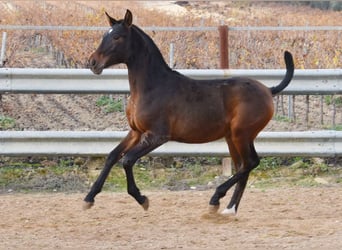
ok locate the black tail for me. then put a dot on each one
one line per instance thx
(288, 76)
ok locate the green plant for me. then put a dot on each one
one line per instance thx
(41, 174)
(338, 127)
(109, 104)
(269, 163)
(330, 99)
(281, 118)
(6, 122)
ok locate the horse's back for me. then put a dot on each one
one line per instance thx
(205, 110)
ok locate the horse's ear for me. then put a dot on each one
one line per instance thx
(111, 20)
(128, 18)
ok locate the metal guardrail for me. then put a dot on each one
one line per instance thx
(26, 80)
(24, 143)
(99, 143)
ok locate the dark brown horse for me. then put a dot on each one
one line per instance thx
(167, 106)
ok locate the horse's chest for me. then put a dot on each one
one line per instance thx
(131, 112)
(134, 113)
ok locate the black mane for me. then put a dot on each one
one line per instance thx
(152, 50)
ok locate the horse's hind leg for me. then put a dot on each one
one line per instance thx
(241, 185)
(128, 142)
(221, 190)
(243, 150)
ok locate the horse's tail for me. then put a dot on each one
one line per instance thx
(288, 76)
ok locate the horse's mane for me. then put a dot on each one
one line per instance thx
(153, 50)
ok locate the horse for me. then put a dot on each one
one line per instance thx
(165, 105)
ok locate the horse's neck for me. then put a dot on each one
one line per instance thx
(147, 67)
(145, 78)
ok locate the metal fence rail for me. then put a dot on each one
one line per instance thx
(100, 143)
(24, 143)
(17, 80)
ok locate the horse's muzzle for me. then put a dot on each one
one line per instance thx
(94, 66)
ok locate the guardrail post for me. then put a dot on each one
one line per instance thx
(227, 166)
(224, 61)
(3, 49)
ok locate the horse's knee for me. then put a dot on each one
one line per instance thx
(128, 161)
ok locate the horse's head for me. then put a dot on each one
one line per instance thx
(114, 45)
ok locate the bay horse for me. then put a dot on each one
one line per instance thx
(165, 105)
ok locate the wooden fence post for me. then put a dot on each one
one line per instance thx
(227, 162)
(224, 60)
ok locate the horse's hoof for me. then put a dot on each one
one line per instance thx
(213, 209)
(146, 204)
(87, 205)
(229, 211)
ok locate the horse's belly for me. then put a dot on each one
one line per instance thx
(192, 132)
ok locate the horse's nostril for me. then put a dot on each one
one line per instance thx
(91, 62)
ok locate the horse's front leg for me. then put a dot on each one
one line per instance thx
(128, 142)
(148, 142)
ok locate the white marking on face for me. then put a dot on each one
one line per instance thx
(110, 30)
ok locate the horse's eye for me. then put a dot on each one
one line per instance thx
(116, 37)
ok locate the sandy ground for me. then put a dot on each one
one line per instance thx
(287, 218)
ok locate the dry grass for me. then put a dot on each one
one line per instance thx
(253, 49)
